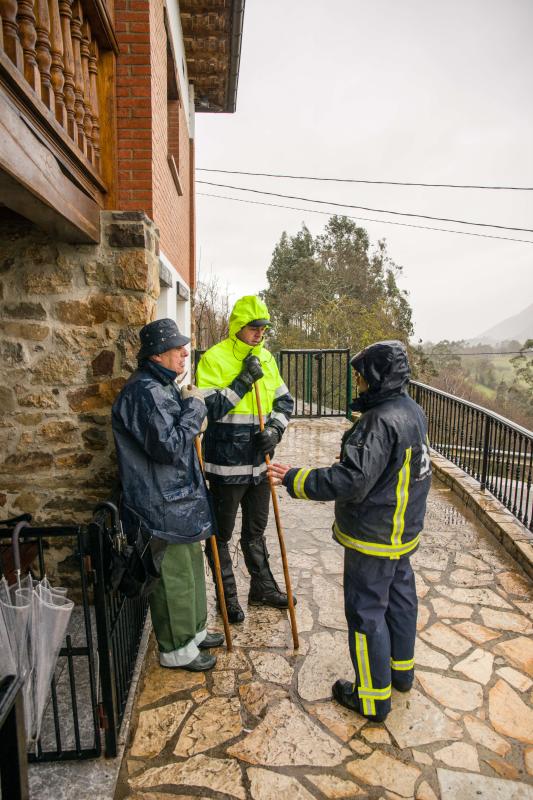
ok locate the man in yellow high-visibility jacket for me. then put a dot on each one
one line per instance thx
(235, 448)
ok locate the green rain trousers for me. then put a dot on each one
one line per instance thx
(178, 604)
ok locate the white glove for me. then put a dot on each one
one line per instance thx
(192, 391)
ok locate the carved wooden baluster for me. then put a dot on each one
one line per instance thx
(88, 117)
(28, 37)
(93, 71)
(11, 44)
(43, 51)
(65, 12)
(79, 108)
(56, 69)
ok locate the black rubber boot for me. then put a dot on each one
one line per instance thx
(344, 694)
(264, 591)
(233, 607)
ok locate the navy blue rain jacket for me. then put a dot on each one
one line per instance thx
(162, 482)
(381, 483)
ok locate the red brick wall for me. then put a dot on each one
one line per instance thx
(171, 212)
(134, 124)
(145, 181)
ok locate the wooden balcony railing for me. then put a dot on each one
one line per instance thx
(52, 44)
(57, 66)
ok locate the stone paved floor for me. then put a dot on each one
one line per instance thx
(262, 725)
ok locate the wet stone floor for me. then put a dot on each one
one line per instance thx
(262, 725)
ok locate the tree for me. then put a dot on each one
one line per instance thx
(333, 290)
(210, 312)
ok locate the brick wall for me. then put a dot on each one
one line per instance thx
(171, 212)
(70, 317)
(144, 177)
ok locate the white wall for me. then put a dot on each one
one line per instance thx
(170, 305)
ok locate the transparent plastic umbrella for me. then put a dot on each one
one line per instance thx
(42, 613)
(15, 611)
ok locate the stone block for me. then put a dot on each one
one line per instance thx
(55, 370)
(28, 502)
(35, 400)
(74, 460)
(95, 438)
(7, 399)
(51, 280)
(122, 309)
(74, 312)
(96, 395)
(3, 499)
(26, 462)
(132, 272)
(59, 431)
(11, 353)
(25, 330)
(126, 234)
(24, 311)
(99, 273)
(103, 363)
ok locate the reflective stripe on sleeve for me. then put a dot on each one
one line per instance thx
(402, 665)
(281, 418)
(374, 548)
(299, 482)
(281, 390)
(241, 419)
(241, 469)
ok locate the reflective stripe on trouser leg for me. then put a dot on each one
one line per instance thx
(366, 590)
(401, 622)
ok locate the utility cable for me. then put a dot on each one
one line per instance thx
(447, 355)
(366, 208)
(360, 180)
(366, 219)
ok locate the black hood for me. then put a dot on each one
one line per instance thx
(385, 367)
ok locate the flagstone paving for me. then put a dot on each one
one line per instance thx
(262, 725)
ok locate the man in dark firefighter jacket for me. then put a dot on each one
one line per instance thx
(235, 448)
(380, 487)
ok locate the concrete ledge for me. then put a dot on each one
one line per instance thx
(516, 539)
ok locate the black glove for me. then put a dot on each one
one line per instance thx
(251, 371)
(266, 440)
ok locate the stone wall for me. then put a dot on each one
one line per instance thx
(70, 316)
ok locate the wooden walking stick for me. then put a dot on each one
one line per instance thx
(216, 564)
(279, 528)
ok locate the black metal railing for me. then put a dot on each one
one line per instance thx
(319, 381)
(119, 623)
(493, 450)
(70, 726)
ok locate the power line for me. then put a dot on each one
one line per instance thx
(366, 219)
(366, 208)
(360, 180)
(508, 353)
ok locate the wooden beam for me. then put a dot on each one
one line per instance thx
(33, 184)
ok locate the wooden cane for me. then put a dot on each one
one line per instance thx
(216, 564)
(279, 528)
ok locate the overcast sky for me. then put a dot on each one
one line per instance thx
(438, 92)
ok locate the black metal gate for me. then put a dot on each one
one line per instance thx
(70, 727)
(119, 625)
(319, 380)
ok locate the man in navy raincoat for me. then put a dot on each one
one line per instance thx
(380, 487)
(155, 425)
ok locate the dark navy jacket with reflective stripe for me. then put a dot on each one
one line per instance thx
(162, 483)
(381, 483)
